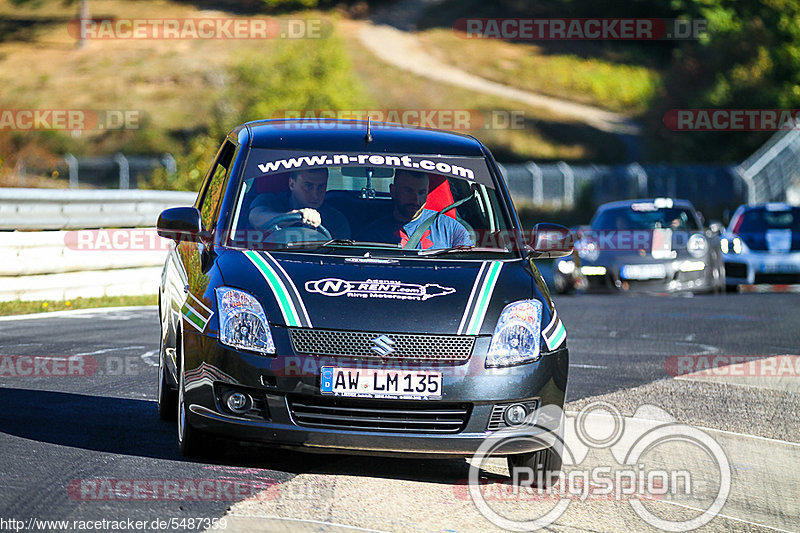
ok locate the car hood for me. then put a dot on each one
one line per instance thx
(400, 295)
(778, 240)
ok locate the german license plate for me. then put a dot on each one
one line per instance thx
(381, 383)
(643, 272)
(780, 268)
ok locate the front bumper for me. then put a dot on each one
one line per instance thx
(470, 386)
(675, 280)
(762, 267)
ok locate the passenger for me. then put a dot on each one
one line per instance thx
(306, 195)
(409, 193)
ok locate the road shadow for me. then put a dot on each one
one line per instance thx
(132, 427)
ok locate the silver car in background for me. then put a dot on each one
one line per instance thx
(649, 245)
(762, 245)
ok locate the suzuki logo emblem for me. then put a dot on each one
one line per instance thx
(383, 345)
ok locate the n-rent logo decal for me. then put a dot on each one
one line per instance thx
(378, 288)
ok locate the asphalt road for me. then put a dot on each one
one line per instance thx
(58, 433)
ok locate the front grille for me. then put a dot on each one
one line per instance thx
(736, 270)
(779, 278)
(360, 344)
(378, 415)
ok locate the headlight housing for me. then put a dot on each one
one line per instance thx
(697, 245)
(242, 322)
(517, 336)
(588, 250)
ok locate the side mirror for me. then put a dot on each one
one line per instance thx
(180, 224)
(551, 241)
(716, 228)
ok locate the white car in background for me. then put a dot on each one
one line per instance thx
(762, 245)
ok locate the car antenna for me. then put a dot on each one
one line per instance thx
(368, 136)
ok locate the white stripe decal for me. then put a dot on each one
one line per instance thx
(294, 288)
(471, 298)
(201, 304)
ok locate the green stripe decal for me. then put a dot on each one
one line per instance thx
(483, 299)
(194, 317)
(558, 338)
(288, 311)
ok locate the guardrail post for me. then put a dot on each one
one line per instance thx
(639, 172)
(537, 185)
(169, 163)
(124, 171)
(72, 165)
(569, 183)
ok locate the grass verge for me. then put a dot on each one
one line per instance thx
(613, 86)
(47, 306)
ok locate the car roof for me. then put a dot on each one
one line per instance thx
(349, 136)
(769, 206)
(676, 202)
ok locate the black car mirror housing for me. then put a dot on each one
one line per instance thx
(180, 224)
(551, 241)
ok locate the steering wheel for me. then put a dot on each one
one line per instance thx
(286, 220)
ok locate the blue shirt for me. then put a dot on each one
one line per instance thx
(445, 232)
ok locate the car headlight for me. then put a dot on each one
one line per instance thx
(697, 245)
(566, 267)
(589, 251)
(242, 322)
(517, 335)
(724, 245)
(737, 245)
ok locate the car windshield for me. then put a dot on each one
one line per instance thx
(762, 219)
(645, 216)
(387, 203)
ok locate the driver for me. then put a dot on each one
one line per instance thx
(306, 195)
(409, 193)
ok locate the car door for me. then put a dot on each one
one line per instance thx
(186, 278)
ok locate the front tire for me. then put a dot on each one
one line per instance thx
(191, 441)
(167, 396)
(545, 464)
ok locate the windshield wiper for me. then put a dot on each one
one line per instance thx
(457, 249)
(337, 242)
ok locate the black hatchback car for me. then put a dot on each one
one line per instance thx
(353, 286)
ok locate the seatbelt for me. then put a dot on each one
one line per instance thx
(416, 237)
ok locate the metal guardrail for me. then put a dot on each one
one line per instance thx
(772, 173)
(711, 188)
(29, 209)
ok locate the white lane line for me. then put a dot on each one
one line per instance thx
(773, 528)
(576, 365)
(308, 521)
(77, 312)
(104, 350)
(147, 357)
